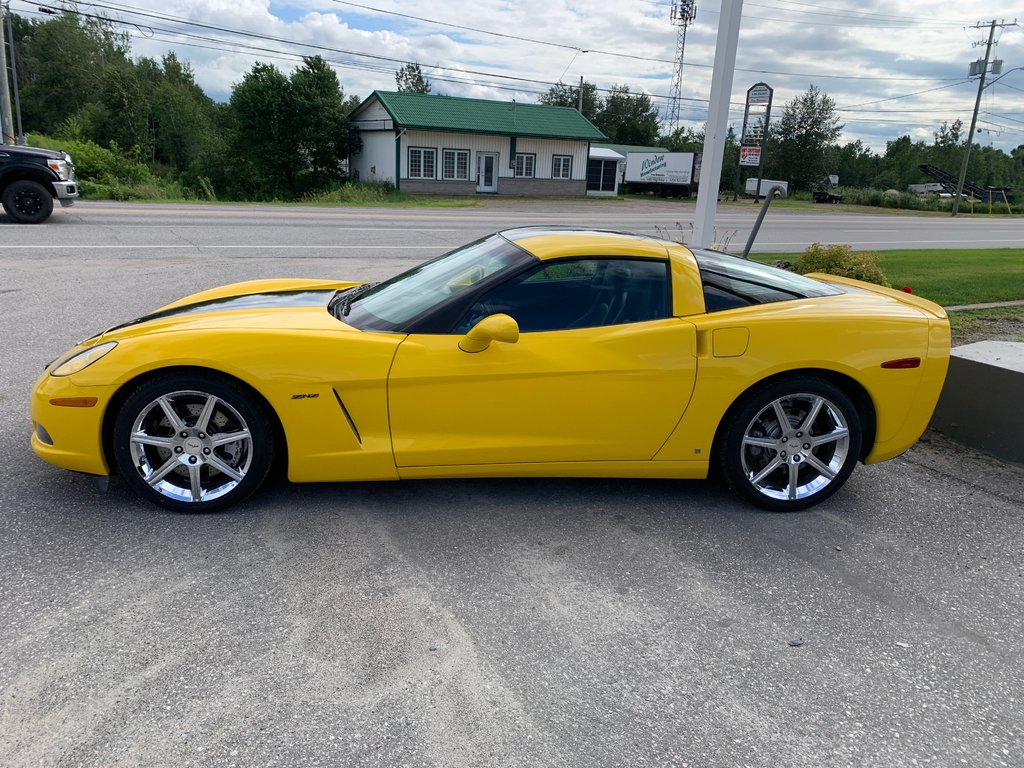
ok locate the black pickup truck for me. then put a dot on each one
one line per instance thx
(32, 178)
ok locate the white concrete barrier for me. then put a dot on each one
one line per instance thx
(982, 402)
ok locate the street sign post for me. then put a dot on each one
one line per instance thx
(750, 156)
(756, 117)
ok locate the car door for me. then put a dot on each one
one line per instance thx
(601, 372)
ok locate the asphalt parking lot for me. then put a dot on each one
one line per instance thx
(479, 623)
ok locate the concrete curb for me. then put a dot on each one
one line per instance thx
(990, 305)
(980, 401)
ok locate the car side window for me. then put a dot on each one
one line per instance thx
(578, 293)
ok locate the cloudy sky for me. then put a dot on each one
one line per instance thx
(894, 67)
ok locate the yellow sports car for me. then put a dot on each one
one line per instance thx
(531, 352)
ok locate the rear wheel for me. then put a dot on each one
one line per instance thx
(193, 442)
(791, 444)
(27, 201)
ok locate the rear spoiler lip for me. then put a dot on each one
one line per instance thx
(928, 307)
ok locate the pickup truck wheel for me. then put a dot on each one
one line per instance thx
(27, 201)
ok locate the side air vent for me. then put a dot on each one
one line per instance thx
(348, 417)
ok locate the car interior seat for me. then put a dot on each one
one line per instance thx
(608, 296)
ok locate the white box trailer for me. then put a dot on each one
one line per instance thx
(766, 184)
(664, 173)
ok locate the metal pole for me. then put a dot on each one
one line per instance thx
(20, 138)
(6, 122)
(764, 141)
(579, 105)
(974, 122)
(739, 168)
(769, 196)
(718, 122)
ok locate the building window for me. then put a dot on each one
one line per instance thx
(455, 164)
(561, 167)
(524, 165)
(421, 163)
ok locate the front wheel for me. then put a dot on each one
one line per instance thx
(791, 444)
(27, 201)
(193, 442)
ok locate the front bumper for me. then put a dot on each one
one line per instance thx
(70, 437)
(65, 192)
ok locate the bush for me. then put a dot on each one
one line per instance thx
(357, 193)
(106, 174)
(95, 163)
(842, 261)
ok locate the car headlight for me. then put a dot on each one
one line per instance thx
(83, 359)
(61, 168)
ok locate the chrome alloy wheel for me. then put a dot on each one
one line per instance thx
(191, 446)
(795, 446)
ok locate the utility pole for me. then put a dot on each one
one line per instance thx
(579, 105)
(6, 121)
(718, 122)
(977, 106)
(20, 138)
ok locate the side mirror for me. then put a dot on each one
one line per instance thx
(491, 328)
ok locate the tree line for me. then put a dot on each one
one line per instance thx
(802, 145)
(278, 137)
(286, 136)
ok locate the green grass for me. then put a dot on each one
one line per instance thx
(370, 193)
(967, 324)
(950, 277)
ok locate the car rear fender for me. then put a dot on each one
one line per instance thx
(930, 308)
(788, 339)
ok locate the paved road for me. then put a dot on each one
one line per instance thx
(477, 623)
(413, 234)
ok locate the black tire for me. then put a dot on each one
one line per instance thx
(193, 442)
(792, 466)
(27, 201)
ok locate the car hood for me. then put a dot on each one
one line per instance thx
(16, 149)
(256, 304)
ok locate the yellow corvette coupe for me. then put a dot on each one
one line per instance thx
(531, 352)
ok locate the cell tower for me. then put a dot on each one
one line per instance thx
(683, 13)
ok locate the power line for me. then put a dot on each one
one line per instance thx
(314, 46)
(1004, 117)
(636, 57)
(458, 26)
(849, 26)
(903, 96)
(854, 14)
(520, 84)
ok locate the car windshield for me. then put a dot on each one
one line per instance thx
(391, 305)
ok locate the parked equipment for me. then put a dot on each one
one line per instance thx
(776, 188)
(949, 182)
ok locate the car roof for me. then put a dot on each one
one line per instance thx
(552, 242)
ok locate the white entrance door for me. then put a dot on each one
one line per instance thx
(486, 172)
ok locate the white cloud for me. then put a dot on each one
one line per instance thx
(877, 41)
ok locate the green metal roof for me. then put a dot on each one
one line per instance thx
(505, 118)
(623, 149)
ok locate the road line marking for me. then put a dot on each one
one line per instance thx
(341, 228)
(238, 247)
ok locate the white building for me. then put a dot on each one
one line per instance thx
(455, 146)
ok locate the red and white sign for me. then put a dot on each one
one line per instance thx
(750, 156)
